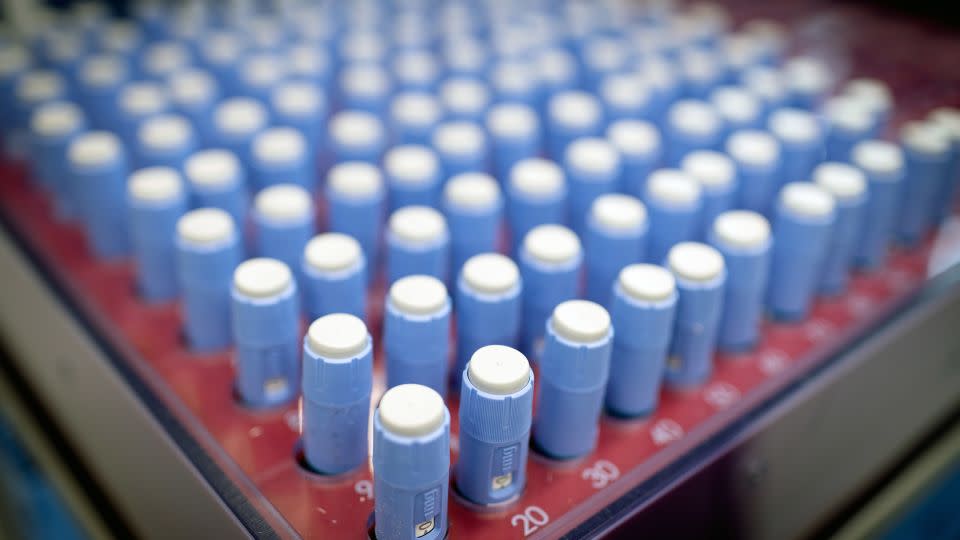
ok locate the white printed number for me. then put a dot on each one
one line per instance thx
(721, 395)
(818, 329)
(364, 488)
(532, 518)
(601, 473)
(773, 362)
(665, 432)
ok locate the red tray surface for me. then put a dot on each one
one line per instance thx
(262, 444)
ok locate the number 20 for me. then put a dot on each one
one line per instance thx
(532, 518)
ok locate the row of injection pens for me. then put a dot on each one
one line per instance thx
(683, 178)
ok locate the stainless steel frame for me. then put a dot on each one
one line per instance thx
(49, 459)
(156, 487)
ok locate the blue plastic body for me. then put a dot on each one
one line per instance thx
(840, 141)
(702, 88)
(748, 271)
(799, 254)
(797, 161)
(919, 192)
(283, 240)
(773, 103)
(559, 136)
(847, 230)
(544, 287)
(225, 71)
(635, 169)
(257, 89)
(265, 332)
(361, 218)
(318, 71)
(733, 125)
(200, 114)
(529, 94)
(880, 216)
(806, 100)
(494, 441)
(671, 224)
(606, 252)
(100, 101)
(336, 409)
(231, 198)
(556, 84)
(699, 307)
(507, 151)
(173, 157)
(310, 124)
(613, 112)
(241, 144)
(69, 67)
(716, 200)
(881, 122)
(573, 379)
(8, 83)
(594, 74)
(376, 103)
(153, 22)
(370, 152)
(524, 213)
(425, 193)
(411, 132)
(678, 143)
(417, 347)
(453, 164)
(584, 188)
(947, 192)
(758, 185)
(639, 357)
(485, 319)
(205, 275)
(153, 230)
(127, 125)
(101, 194)
(343, 291)
(665, 93)
(411, 480)
(472, 231)
(23, 110)
(299, 171)
(470, 70)
(407, 81)
(48, 161)
(405, 258)
(476, 113)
